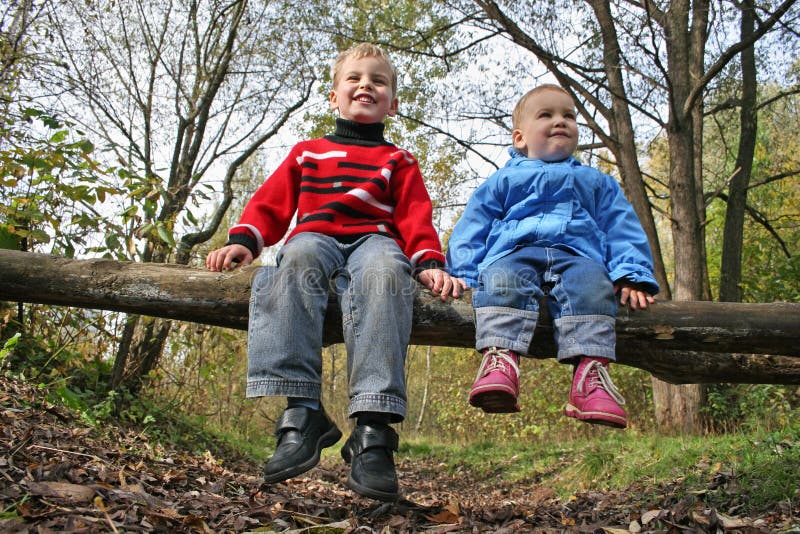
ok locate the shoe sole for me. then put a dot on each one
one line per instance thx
(494, 401)
(596, 418)
(371, 493)
(326, 440)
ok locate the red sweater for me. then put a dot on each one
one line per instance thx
(346, 185)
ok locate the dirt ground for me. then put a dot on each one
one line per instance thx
(59, 475)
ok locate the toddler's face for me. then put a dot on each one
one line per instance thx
(362, 91)
(548, 129)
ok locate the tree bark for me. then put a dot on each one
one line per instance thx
(679, 342)
(424, 405)
(684, 32)
(732, 240)
(622, 139)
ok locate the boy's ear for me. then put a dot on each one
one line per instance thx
(333, 102)
(393, 108)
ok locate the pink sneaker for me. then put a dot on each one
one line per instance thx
(594, 398)
(497, 385)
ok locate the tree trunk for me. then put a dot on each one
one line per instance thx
(425, 390)
(732, 241)
(678, 407)
(123, 349)
(622, 141)
(680, 342)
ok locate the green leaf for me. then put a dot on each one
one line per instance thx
(59, 136)
(40, 236)
(71, 399)
(9, 345)
(86, 146)
(144, 230)
(165, 234)
(8, 239)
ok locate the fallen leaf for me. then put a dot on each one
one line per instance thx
(330, 528)
(701, 517)
(650, 515)
(733, 522)
(73, 493)
(449, 514)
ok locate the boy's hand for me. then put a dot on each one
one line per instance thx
(439, 282)
(224, 258)
(629, 292)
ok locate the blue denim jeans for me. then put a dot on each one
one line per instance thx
(579, 296)
(372, 282)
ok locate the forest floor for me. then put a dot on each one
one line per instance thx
(58, 474)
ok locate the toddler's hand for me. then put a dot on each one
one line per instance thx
(225, 258)
(631, 293)
(439, 282)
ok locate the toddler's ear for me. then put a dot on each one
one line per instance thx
(518, 140)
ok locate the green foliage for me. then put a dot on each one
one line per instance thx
(770, 265)
(750, 407)
(753, 470)
(51, 189)
(204, 381)
(59, 347)
(8, 346)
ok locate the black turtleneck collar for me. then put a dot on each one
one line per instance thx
(355, 133)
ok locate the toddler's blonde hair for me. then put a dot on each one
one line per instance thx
(519, 109)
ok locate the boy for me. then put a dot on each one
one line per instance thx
(363, 231)
(546, 226)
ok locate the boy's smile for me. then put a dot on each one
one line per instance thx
(548, 129)
(363, 91)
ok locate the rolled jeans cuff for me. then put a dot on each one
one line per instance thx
(585, 335)
(268, 387)
(508, 328)
(376, 402)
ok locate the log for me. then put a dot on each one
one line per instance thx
(678, 342)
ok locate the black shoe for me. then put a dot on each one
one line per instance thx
(302, 434)
(372, 474)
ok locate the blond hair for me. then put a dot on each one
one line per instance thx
(360, 51)
(519, 109)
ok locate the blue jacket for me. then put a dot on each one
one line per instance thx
(564, 205)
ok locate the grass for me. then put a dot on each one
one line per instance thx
(756, 469)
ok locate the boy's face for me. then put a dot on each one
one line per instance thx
(362, 91)
(548, 129)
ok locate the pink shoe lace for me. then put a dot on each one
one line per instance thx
(594, 398)
(594, 375)
(497, 385)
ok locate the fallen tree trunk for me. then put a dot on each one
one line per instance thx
(679, 342)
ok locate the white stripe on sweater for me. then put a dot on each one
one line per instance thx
(369, 199)
(321, 155)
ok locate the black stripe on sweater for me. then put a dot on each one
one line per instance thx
(380, 182)
(337, 178)
(349, 211)
(325, 190)
(328, 217)
(352, 165)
